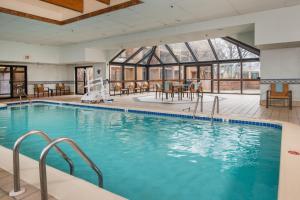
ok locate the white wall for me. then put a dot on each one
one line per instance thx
(50, 75)
(281, 64)
(16, 52)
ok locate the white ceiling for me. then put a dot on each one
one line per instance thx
(152, 14)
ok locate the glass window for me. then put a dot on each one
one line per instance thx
(154, 61)
(251, 87)
(215, 85)
(247, 54)
(215, 71)
(171, 73)
(141, 73)
(181, 73)
(205, 72)
(140, 55)
(155, 73)
(125, 55)
(164, 55)
(181, 52)
(225, 50)
(191, 73)
(206, 85)
(251, 70)
(129, 73)
(202, 50)
(230, 86)
(152, 85)
(115, 73)
(230, 71)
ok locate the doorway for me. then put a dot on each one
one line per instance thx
(10, 78)
(81, 78)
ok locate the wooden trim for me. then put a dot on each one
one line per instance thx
(75, 19)
(102, 11)
(29, 16)
(107, 2)
(75, 5)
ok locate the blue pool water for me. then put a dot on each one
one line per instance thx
(146, 157)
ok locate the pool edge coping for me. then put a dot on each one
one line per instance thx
(204, 117)
(288, 174)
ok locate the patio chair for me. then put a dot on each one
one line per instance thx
(138, 88)
(62, 89)
(40, 89)
(196, 88)
(168, 89)
(158, 90)
(279, 91)
(130, 87)
(118, 88)
(145, 87)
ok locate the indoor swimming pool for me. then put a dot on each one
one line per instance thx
(150, 157)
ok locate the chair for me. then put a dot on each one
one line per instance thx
(279, 91)
(62, 89)
(168, 89)
(196, 88)
(145, 87)
(132, 87)
(158, 90)
(40, 89)
(118, 87)
(138, 88)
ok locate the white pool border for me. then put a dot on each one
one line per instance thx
(66, 187)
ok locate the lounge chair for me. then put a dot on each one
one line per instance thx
(279, 91)
(40, 89)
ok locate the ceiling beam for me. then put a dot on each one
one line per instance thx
(107, 2)
(76, 5)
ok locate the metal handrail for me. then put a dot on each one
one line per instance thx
(200, 97)
(21, 92)
(216, 102)
(42, 164)
(16, 161)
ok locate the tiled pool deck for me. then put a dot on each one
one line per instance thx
(234, 106)
(6, 185)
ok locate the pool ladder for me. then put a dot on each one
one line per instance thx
(21, 93)
(216, 104)
(42, 162)
(199, 100)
